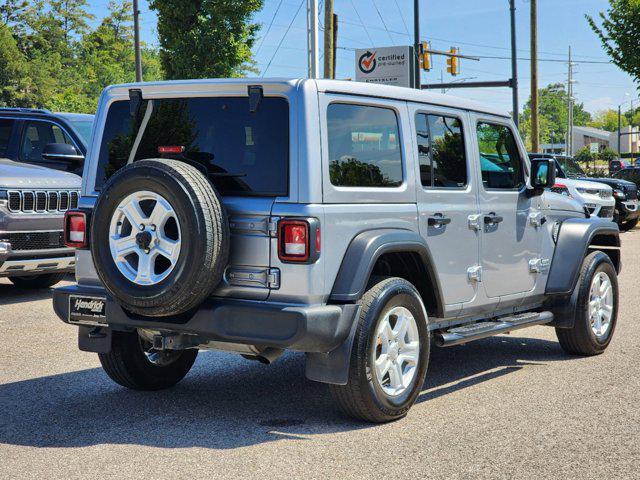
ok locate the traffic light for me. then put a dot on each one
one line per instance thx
(453, 65)
(425, 56)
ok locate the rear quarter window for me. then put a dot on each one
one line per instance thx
(364, 146)
(242, 153)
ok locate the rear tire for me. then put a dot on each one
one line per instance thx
(35, 282)
(128, 365)
(366, 396)
(589, 334)
(630, 225)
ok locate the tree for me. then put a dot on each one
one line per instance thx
(72, 15)
(206, 38)
(620, 34)
(584, 155)
(553, 100)
(607, 120)
(13, 71)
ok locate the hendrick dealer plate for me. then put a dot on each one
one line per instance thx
(87, 310)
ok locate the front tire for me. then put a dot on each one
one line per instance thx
(390, 354)
(596, 310)
(133, 364)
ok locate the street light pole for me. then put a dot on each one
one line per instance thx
(514, 62)
(136, 40)
(416, 44)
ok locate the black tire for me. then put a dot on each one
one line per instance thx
(204, 237)
(35, 282)
(630, 225)
(362, 397)
(580, 339)
(127, 364)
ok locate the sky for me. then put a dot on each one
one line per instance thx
(476, 27)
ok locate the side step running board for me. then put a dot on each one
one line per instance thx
(476, 331)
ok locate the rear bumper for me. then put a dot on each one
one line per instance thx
(319, 328)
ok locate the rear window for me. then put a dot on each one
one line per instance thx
(243, 153)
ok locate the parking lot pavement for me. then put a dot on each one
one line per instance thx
(513, 406)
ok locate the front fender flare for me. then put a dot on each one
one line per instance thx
(574, 239)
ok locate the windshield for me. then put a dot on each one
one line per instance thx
(570, 167)
(242, 152)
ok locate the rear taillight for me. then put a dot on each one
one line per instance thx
(75, 229)
(299, 240)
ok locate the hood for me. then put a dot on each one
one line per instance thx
(586, 184)
(612, 182)
(25, 176)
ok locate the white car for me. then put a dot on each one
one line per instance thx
(597, 198)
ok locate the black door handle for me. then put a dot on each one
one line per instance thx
(492, 219)
(438, 220)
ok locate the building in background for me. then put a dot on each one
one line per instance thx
(586, 136)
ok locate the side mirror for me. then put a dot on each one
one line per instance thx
(61, 152)
(543, 174)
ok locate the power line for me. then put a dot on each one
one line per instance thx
(269, 27)
(283, 37)
(361, 22)
(382, 20)
(401, 17)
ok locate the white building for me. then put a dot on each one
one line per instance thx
(585, 136)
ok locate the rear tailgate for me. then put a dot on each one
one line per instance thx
(248, 274)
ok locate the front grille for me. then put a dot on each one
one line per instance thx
(606, 212)
(27, 201)
(34, 240)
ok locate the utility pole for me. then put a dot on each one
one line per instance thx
(620, 129)
(570, 106)
(329, 37)
(514, 62)
(136, 40)
(416, 44)
(335, 43)
(535, 108)
(312, 38)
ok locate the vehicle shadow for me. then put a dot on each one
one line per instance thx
(10, 294)
(225, 402)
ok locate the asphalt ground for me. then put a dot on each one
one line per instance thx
(513, 406)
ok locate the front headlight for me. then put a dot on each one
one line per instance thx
(619, 194)
(4, 198)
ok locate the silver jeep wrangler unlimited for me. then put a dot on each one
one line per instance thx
(357, 223)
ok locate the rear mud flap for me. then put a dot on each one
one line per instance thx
(94, 339)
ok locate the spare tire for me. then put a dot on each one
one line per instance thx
(159, 237)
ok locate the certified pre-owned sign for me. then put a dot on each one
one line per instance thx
(387, 65)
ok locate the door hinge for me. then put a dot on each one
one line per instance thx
(537, 219)
(474, 273)
(272, 226)
(273, 278)
(539, 265)
(474, 221)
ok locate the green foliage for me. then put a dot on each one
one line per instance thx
(620, 34)
(584, 155)
(608, 120)
(607, 155)
(553, 101)
(206, 38)
(57, 61)
(349, 171)
(12, 70)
